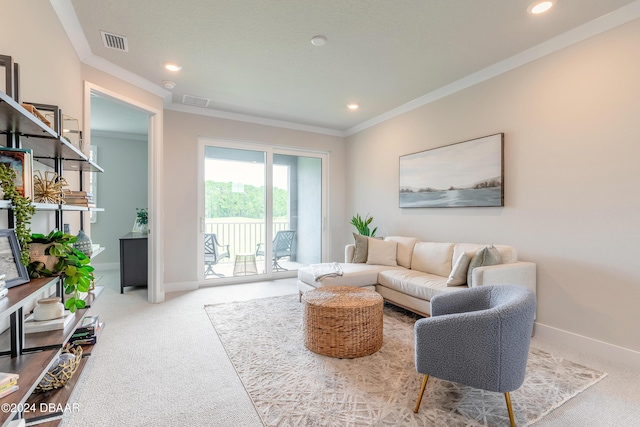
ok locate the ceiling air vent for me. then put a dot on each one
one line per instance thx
(114, 41)
(196, 101)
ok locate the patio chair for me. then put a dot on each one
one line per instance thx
(213, 253)
(283, 246)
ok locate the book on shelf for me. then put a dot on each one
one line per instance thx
(3, 288)
(89, 338)
(32, 326)
(87, 324)
(9, 391)
(7, 377)
(77, 200)
(8, 385)
(84, 341)
(21, 160)
(76, 193)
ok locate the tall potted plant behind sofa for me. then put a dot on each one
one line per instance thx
(362, 225)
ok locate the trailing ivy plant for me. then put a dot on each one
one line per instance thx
(362, 225)
(72, 263)
(22, 209)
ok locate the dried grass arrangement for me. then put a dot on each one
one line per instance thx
(50, 188)
(65, 366)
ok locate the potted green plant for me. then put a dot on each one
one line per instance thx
(22, 208)
(362, 225)
(71, 263)
(142, 220)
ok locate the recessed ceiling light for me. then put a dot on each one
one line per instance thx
(318, 40)
(353, 106)
(538, 7)
(171, 66)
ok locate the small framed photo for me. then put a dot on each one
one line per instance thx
(10, 265)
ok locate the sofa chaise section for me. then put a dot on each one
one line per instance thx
(422, 270)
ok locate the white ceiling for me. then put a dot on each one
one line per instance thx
(254, 59)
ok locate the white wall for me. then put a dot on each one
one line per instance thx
(572, 201)
(49, 74)
(120, 190)
(181, 132)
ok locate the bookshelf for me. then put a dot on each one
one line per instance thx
(30, 355)
(37, 351)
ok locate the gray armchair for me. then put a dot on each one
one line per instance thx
(478, 337)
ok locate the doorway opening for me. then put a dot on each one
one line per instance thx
(126, 134)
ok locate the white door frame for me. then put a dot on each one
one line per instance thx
(155, 285)
(270, 150)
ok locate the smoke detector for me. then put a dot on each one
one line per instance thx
(318, 40)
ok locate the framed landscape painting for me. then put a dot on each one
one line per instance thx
(469, 173)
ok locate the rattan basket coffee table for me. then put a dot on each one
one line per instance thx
(342, 321)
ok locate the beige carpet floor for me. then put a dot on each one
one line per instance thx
(292, 386)
(163, 365)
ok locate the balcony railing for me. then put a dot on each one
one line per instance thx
(242, 237)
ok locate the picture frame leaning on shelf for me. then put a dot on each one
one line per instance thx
(20, 159)
(15, 272)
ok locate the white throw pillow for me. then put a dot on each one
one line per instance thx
(458, 274)
(405, 249)
(382, 252)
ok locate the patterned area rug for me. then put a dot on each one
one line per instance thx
(292, 386)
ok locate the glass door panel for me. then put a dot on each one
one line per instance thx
(296, 212)
(235, 209)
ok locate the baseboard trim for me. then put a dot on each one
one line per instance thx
(180, 286)
(598, 348)
(106, 266)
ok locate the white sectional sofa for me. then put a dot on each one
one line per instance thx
(408, 272)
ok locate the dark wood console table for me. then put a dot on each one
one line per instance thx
(133, 260)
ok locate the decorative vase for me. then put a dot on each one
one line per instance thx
(84, 244)
(47, 309)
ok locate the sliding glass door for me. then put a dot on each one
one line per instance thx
(261, 211)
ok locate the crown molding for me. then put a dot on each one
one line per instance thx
(585, 31)
(71, 25)
(252, 119)
(69, 20)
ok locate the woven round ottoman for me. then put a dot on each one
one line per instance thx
(342, 321)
